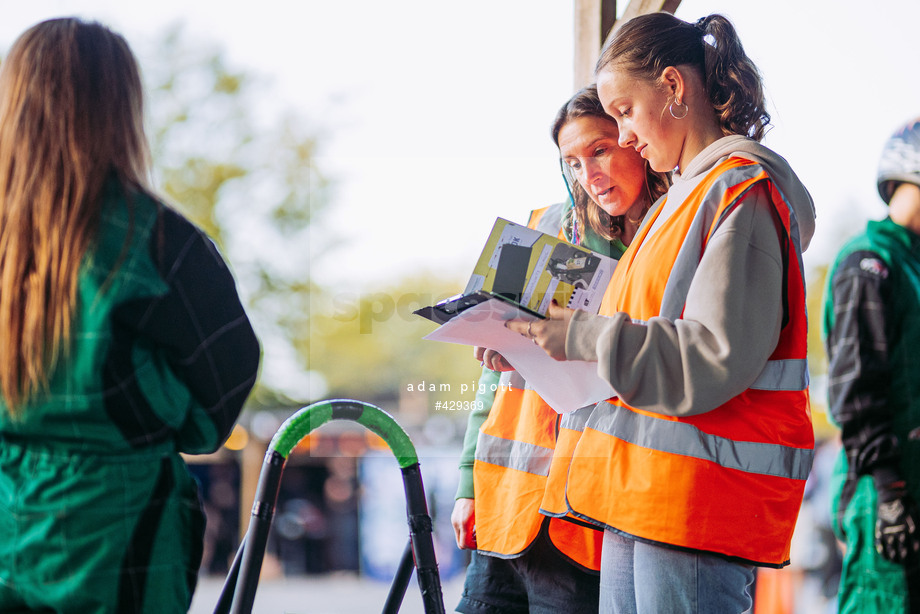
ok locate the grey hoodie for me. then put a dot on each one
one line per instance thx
(733, 314)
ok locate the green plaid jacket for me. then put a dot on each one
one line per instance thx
(98, 512)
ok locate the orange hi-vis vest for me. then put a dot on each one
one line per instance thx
(729, 481)
(513, 455)
(571, 426)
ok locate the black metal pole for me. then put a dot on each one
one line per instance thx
(426, 563)
(226, 592)
(257, 535)
(400, 581)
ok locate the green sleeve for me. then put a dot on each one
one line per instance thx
(485, 395)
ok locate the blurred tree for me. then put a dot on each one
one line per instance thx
(817, 358)
(369, 346)
(817, 280)
(245, 173)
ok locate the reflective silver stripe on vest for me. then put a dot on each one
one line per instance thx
(576, 420)
(793, 219)
(518, 455)
(688, 257)
(790, 374)
(684, 439)
(512, 379)
(787, 375)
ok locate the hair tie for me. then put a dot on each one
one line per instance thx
(700, 26)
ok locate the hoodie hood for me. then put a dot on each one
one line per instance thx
(776, 166)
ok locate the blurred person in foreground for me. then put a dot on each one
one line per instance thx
(872, 335)
(124, 340)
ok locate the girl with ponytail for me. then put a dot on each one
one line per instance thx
(697, 466)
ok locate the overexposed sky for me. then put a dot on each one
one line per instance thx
(436, 114)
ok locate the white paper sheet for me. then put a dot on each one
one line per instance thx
(565, 385)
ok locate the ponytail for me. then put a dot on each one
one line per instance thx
(733, 82)
(648, 44)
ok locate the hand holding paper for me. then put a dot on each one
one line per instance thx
(520, 274)
(549, 334)
(491, 359)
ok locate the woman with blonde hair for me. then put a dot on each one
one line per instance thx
(124, 340)
(517, 447)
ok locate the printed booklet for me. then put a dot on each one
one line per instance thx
(529, 269)
(518, 274)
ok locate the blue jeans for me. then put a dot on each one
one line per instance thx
(642, 578)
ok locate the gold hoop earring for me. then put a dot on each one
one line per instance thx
(682, 107)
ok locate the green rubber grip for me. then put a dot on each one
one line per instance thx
(311, 417)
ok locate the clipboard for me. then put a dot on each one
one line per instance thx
(518, 274)
(446, 310)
